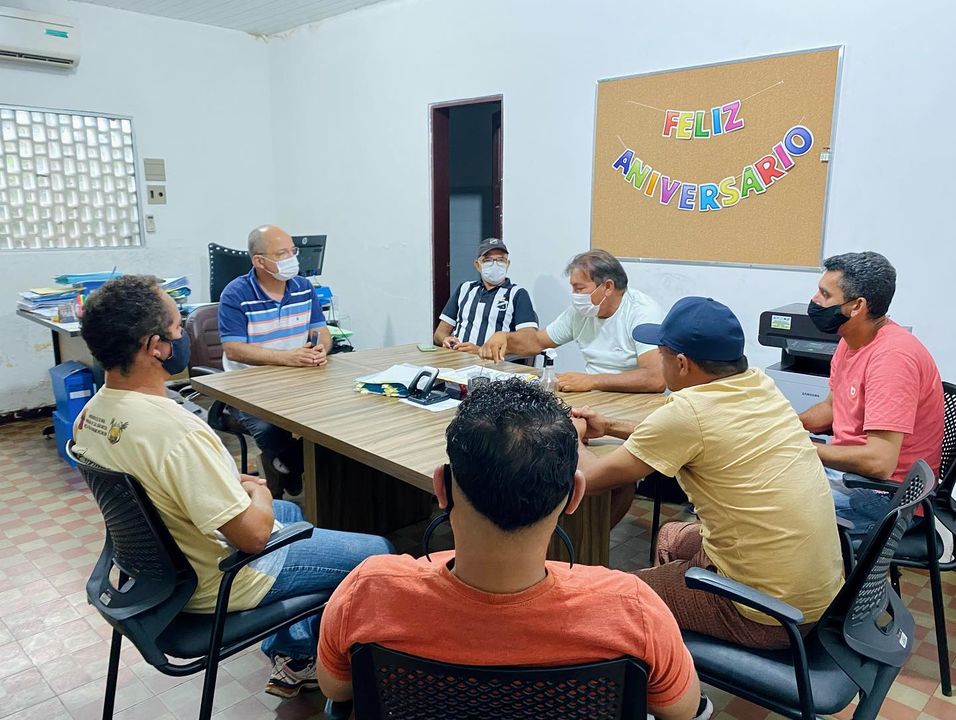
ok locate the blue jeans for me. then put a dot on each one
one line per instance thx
(864, 508)
(317, 563)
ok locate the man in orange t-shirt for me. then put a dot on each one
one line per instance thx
(495, 600)
(885, 405)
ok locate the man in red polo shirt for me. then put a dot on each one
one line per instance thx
(885, 405)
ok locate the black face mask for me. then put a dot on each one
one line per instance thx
(178, 359)
(826, 319)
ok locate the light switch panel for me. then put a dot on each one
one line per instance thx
(156, 194)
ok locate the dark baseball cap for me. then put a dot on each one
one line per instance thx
(700, 328)
(489, 244)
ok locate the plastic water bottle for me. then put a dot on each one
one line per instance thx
(548, 380)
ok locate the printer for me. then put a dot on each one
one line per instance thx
(803, 373)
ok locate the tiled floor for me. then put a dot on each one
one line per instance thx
(54, 648)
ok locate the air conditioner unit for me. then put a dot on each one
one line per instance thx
(27, 37)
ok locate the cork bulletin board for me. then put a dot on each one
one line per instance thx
(723, 163)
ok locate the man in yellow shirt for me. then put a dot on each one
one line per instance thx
(739, 451)
(134, 331)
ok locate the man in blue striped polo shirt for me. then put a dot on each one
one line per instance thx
(480, 308)
(271, 316)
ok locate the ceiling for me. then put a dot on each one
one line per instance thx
(264, 17)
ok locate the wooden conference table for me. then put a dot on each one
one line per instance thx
(356, 446)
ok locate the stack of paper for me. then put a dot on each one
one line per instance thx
(393, 382)
(461, 376)
(44, 301)
(177, 287)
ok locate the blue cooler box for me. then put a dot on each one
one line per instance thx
(72, 388)
(64, 433)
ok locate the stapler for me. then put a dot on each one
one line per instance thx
(424, 394)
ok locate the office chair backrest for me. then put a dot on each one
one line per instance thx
(202, 326)
(947, 467)
(867, 630)
(225, 265)
(394, 685)
(155, 579)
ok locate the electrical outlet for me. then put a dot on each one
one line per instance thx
(156, 194)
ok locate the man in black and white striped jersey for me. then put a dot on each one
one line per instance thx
(480, 308)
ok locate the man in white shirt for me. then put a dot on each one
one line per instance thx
(603, 313)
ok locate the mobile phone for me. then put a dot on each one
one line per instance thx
(427, 347)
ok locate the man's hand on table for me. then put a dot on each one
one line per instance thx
(308, 356)
(495, 347)
(468, 347)
(575, 382)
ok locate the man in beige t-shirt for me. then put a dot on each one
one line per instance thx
(740, 453)
(134, 331)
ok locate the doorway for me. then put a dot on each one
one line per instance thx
(467, 147)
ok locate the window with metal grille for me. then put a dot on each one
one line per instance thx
(67, 180)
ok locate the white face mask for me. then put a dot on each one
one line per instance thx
(582, 303)
(493, 272)
(286, 268)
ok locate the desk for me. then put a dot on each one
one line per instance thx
(356, 444)
(56, 330)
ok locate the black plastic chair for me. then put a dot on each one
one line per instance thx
(155, 581)
(394, 685)
(856, 649)
(920, 547)
(202, 326)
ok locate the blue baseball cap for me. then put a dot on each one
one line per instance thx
(700, 328)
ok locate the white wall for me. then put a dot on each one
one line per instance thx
(199, 98)
(352, 142)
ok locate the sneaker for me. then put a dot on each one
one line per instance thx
(705, 709)
(290, 677)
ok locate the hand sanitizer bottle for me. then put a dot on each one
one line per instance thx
(548, 380)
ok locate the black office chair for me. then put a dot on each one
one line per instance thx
(394, 685)
(202, 326)
(155, 581)
(225, 265)
(921, 546)
(856, 649)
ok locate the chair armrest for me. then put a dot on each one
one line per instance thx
(852, 480)
(700, 579)
(844, 524)
(278, 539)
(203, 370)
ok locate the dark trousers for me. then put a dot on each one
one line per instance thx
(274, 442)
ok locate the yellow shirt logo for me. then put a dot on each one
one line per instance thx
(115, 431)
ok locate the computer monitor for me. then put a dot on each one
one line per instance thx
(311, 253)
